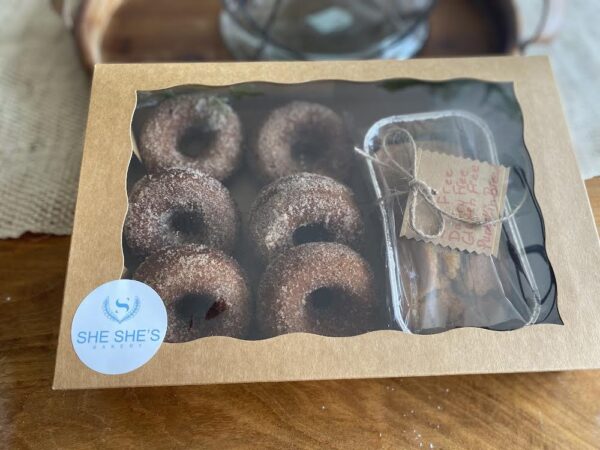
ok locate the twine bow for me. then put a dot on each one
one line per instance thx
(418, 188)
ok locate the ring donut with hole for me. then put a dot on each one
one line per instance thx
(302, 208)
(192, 131)
(204, 290)
(178, 207)
(302, 137)
(322, 288)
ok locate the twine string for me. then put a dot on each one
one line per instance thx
(419, 189)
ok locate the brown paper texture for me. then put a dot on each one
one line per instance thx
(466, 188)
(96, 254)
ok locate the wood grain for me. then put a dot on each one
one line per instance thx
(547, 410)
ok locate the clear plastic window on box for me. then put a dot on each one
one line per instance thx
(261, 209)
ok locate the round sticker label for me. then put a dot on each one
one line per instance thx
(119, 327)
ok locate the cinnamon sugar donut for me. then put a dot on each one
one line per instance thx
(321, 288)
(180, 207)
(195, 132)
(303, 137)
(303, 208)
(204, 290)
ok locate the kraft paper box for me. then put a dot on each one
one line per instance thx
(243, 222)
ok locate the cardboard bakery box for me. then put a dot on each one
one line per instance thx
(243, 222)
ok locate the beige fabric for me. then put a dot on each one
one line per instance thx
(575, 56)
(44, 97)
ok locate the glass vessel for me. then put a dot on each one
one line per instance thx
(320, 30)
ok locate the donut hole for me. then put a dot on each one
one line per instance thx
(196, 140)
(196, 308)
(308, 144)
(326, 300)
(189, 225)
(312, 232)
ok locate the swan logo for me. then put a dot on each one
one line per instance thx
(121, 309)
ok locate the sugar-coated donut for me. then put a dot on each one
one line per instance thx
(321, 288)
(303, 208)
(180, 207)
(302, 137)
(206, 124)
(204, 290)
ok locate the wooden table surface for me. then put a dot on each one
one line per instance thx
(544, 410)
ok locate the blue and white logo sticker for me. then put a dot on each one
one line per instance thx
(119, 327)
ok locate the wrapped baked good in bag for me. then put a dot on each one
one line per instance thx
(460, 244)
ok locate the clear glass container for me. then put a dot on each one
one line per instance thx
(332, 29)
